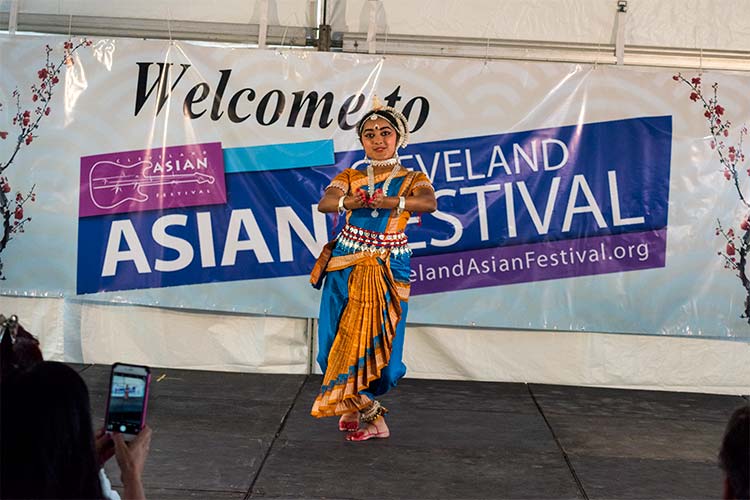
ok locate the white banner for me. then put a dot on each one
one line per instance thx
(569, 197)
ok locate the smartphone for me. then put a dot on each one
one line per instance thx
(128, 398)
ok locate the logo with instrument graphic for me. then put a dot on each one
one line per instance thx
(170, 177)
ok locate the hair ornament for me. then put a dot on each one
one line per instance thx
(389, 114)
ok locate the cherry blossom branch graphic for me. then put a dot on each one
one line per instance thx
(731, 156)
(26, 123)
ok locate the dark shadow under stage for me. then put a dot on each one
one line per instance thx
(235, 436)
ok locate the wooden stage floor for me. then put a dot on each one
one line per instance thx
(234, 436)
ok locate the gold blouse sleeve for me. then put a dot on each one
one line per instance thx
(342, 181)
(421, 182)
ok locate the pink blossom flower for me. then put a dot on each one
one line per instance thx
(726, 133)
(34, 97)
(676, 77)
(727, 174)
(744, 225)
(3, 135)
(19, 197)
(29, 138)
(693, 96)
(6, 187)
(42, 73)
(730, 248)
(19, 213)
(719, 110)
(696, 81)
(730, 232)
(46, 111)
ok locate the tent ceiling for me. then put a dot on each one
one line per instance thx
(689, 33)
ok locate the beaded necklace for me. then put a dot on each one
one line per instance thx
(384, 163)
(386, 184)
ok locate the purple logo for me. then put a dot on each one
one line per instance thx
(171, 177)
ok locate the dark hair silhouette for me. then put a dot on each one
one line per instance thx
(19, 350)
(47, 438)
(734, 456)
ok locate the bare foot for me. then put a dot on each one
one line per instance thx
(349, 422)
(376, 429)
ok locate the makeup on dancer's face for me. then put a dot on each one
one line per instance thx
(371, 132)
(379, 139)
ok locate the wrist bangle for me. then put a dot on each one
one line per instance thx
(401, 204)
(342, 209)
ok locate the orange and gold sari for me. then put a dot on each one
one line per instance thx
(365, 299)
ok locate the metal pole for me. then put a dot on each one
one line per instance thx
(372, 27)
(622, 9)
(324, 31)
(13, 18)
(263, 25)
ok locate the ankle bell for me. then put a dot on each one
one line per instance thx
(372, 413)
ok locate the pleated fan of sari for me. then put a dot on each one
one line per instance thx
(364, 340)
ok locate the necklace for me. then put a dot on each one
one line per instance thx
(384, 163)
(386, 184)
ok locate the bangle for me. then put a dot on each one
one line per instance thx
(401, 204)
(342, 208)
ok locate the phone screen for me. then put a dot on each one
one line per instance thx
(126, 411)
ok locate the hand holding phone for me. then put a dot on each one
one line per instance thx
(105, 447)
(131, 457)
(128, 398)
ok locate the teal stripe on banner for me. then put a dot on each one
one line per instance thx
(278, 156)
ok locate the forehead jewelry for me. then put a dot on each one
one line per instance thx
(401, 124)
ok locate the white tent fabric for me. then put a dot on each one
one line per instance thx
(104, 333)
(280, 12)
(690, 24)
(694, 24)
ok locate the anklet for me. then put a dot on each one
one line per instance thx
(373, 412)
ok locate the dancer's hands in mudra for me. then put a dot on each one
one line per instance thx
(376, 200)
(359, 199)
(423, 200)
